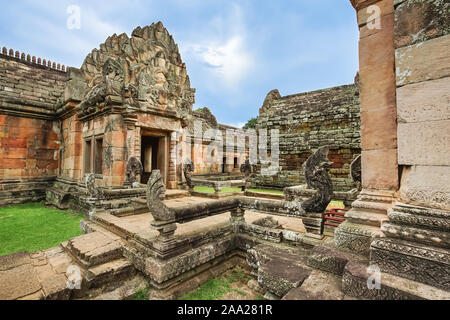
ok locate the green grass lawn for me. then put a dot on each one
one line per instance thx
(211, 190)
(235, 189)
(33, 227)
(215, 288)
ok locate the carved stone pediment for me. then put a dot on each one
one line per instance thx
(141, 71)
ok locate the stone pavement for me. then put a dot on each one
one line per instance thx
(34, 276)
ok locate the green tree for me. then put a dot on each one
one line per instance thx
(251, 124)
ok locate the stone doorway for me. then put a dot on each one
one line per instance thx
(154, 155)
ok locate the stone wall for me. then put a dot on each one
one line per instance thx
(423, 99)
(307, 121)
(29, 131)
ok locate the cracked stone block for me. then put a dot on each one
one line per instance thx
(18, 282)
(94, 249)
(280, 276)
(318, 286)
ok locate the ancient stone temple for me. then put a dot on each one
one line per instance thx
(129, 101)
(119, 141)
(307, 121)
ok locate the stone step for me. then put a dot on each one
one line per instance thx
(363, 216)
(319, 285)
(109, 273)
(126, 290)
(279, 268)
(391, 287)
(332, 260)
(93, 249)
(279, 276)
(129, 210)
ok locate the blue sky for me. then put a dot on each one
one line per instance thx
(235, 51)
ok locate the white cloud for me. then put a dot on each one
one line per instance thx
(229, 61)
(235, 124)
(223, 48)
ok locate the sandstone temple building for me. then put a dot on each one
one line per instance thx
(116, 140)
(131, 98)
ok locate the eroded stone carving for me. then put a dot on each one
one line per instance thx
(92, 189)
(133, 169)
(267, 222)
(188, 169)
(156, 191)
(142, 71)
(111, 84)
(355, 171)
(246, 168)
(317, 177)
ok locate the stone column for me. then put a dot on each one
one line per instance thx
(172, 175)
(417, 239)
(378, 127)
(130, 139)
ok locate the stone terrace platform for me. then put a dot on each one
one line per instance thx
(119, 255)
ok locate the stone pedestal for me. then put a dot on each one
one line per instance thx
(416, 245)
(363, 221)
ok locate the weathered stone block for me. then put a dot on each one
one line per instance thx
(424, 143)
(426, 185)
(280, 276)
(418, 21)
(379, 129)
(379, 169)
(423, 61)
(424, 101)
(421, 263)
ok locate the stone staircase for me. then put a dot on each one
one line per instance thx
(326, 273)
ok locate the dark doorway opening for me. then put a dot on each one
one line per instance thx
(224, 165)
(149, 156)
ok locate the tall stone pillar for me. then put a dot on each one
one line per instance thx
(131, 137)
(378, 127)
(417, 242)
(172, 176)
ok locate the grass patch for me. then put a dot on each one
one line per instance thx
(337, 204)
(141, 294)
(211, 190)
(215, 288)
(33, 227)
(234, 189)
(267, 191)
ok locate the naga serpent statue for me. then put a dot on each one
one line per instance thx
(156, 191)
(317, 177)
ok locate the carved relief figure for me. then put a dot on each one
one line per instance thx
(133, 169)
(188, 170)
(92, 188)
(355, 171)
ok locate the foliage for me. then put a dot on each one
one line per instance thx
(251, 124)
(215, 288)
